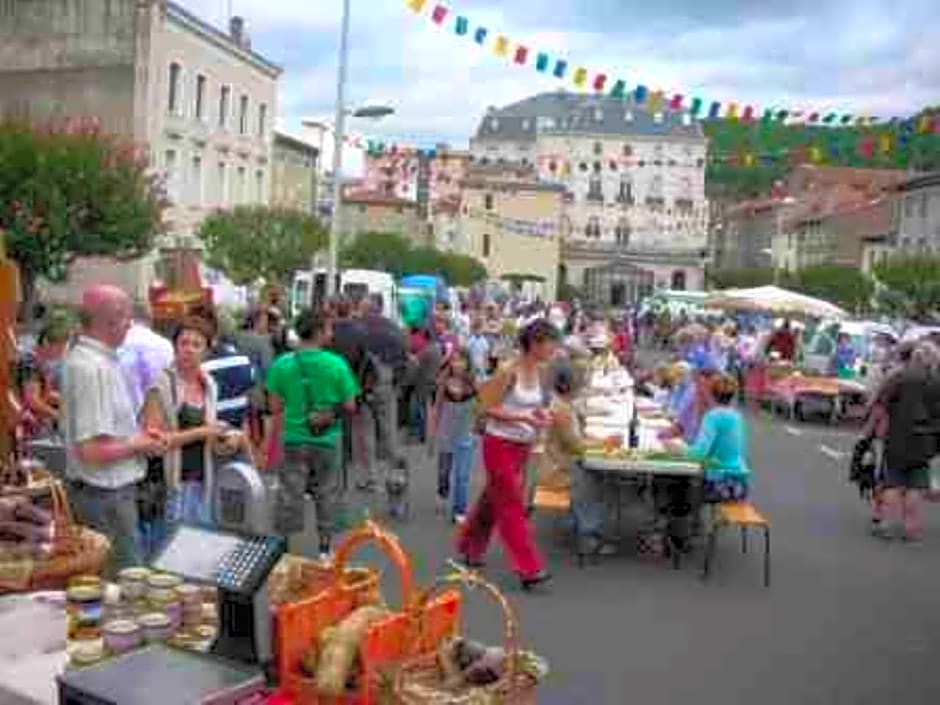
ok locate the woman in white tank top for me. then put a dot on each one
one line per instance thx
(515, 404)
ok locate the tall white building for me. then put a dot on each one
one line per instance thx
(636, 215)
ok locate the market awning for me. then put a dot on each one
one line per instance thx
(773, 299)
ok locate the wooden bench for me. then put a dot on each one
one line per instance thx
(745, 516)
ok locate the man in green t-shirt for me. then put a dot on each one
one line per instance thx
(311, 382)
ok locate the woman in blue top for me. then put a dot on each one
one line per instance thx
(721, 445)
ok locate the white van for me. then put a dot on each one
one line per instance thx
(354, 283)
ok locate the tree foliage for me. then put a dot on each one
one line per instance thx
(393, 253)
(249, 243)
(70, 191)
(910, 287)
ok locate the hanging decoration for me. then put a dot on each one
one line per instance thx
(656, 100)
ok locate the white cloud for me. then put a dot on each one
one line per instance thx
(861, 56)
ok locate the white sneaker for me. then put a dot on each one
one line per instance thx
(460, 519)
(326, 557)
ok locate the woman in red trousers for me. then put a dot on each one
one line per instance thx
(515, 404)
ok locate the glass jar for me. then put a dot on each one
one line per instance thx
(83, 609)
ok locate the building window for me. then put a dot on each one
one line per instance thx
(923, 205)
(262, 119)
(221, 185)
(593, 228)
(598, 148)
(240, 186)
(622, 232)
(909, 207)
(627, 150)
(598, 115)
(243, 115)
(225, 101)
(173, 102)
(486, 245)
(195, 181)
(612, 165)
(200, 102)
(594, 188)
(171, 175)
(625, 195)
(488, 201)
(678, 280)
(583, 166)
(565, 225)
(259, 187)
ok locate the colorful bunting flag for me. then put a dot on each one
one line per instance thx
(580, 76)
(541, 62)
(599, 81)
(732, 111)
(521, 54)
(813, 117)
(561, 66)
(480, 35)
(924, 124)
(462, 26)
(501, 45)
(656, 101)
(846, 119)
(639, 95)
(619, 90)
(829, 119)
(696, 107)
(675, 103)
(713, 110)
(438, 14)
(782, 115)
(748, 114)
(767, 117)
(417, 5)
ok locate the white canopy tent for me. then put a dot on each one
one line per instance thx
(774, 300)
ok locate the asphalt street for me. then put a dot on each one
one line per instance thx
(848, 619)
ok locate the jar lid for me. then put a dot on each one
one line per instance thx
(134, 574)
(121, 626)
(164, 580)
(153, 620)
(88, 652)
(189, 590)
(162, 598)
(83, 593)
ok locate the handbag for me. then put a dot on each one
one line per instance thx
(319, 422)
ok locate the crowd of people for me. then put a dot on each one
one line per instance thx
(325, 403)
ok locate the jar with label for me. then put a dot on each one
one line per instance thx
(168, 605)
(133, 582)
(162, 586)
(156, 627)
(83, 610)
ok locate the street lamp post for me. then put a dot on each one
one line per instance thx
(339, 134)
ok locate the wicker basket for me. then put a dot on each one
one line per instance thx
(76, 550)
(418, 680)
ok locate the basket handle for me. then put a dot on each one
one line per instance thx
(372, 533)
(61, 509)
(470, 579)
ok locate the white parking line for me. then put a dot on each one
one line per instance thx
(793, 431)
(831, 452)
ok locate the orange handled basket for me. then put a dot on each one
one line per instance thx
(300, 624)
(418, 680)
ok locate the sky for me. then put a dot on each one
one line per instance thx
(856, 56)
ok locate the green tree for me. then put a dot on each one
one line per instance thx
(249, 243)
(393, 253)
(740, 278)
(844, 286)
(910, 287)
(70, 191)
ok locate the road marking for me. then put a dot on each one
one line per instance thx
(831, 452)
(793, 431)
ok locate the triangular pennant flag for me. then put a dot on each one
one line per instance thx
(796, 114)
(639, 95)
(813, 117)
(767, 117)
(731, 112)
(541, 62)
(748, 114)
(417, 5)
(480, 35)
(438, 14)
(696, 107)
(675, 103)
(561, 66)
(521, 54)
(783, 115)
(846, 119)
(619, 90)
(462, 26)
(656, 101)
(936, 125)
(599, 81)
(829, 119)
(580, 76)
(713, 110)
(501, 45)
(923, 124)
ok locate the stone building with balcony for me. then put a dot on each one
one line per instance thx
(635, 214)
(199, 98)
(294, 169)
(202, 100)
(918, 215)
